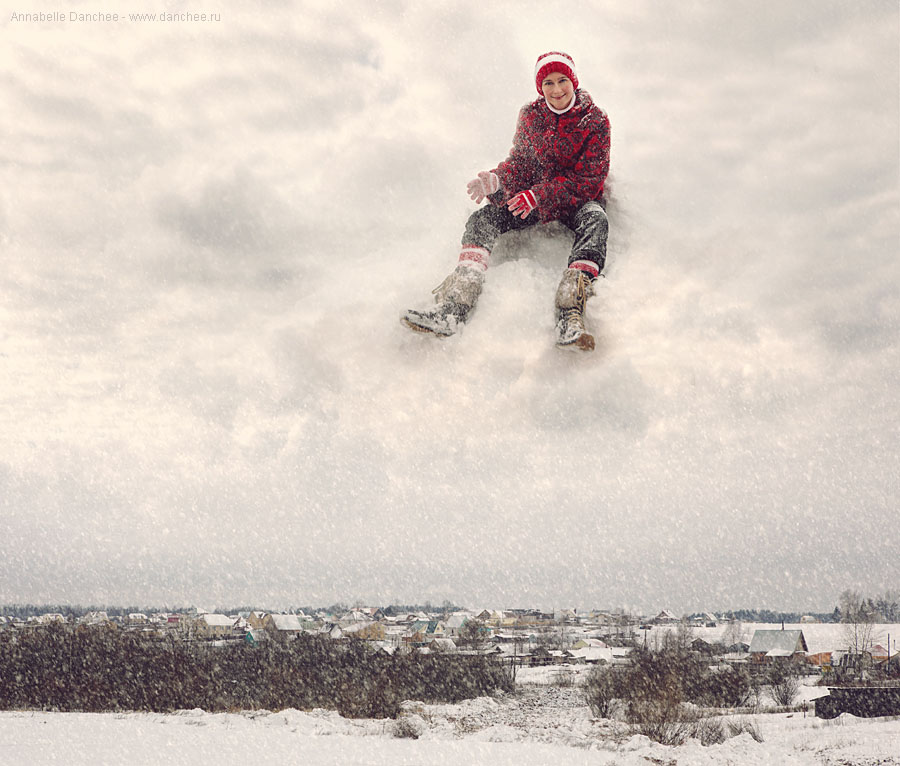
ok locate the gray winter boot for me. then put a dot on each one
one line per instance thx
(571, 296)
(456, 296)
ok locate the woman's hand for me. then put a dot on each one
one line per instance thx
(523, 203)
(486, 183)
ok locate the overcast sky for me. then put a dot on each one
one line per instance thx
(209, 231)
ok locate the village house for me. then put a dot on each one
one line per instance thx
(879, 653)
(531, 617)
(584, 643)
(592, 655)
(441, 645)
(821, 660)
(171, 621)
(354, 617)
(283, 626)
(771, 646)
(213, 626)
(703, 647)
(52, 617)
(604, 619)
(331, 630)
(508, 638)
(255, 636)
(494, 617)
(544, 656)
(372, 613)
(507, 620)
(455, 623)
(256, 620)
(365, 631)
(95, 618)
(423, 631)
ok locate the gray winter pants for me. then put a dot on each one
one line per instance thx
(589, 223)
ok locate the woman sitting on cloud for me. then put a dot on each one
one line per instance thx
(555, 172)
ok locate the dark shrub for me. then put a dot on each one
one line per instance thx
(99, 669)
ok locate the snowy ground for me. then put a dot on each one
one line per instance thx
(539, 724)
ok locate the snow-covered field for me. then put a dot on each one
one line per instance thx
(537, 725)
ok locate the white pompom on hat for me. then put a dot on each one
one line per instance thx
(554, 62)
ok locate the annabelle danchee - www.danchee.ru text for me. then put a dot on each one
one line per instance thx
(66, 17)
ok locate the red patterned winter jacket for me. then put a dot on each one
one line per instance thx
(562, 158)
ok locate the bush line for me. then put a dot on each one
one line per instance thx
(92, 669)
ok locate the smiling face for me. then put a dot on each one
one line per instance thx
(558, 89)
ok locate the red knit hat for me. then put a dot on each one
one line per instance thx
(554, 62)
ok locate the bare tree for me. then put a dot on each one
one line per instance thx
(858, 615)
(681, 638)
(473, 634)
(601, 689)
(735, 633)
(785, 684)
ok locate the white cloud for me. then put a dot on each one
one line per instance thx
(210, 233)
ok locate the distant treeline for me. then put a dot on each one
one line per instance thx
(853, 606)
(97, 669)
(24, 611)
(77, 610)
(768, 616)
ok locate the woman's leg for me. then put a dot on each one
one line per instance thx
(586, 261)
(483, 229)
(591, 227)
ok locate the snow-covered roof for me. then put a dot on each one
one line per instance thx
(457, 620)
(217, 620)
(357, 627)
(593, 654)
(443, 644)
(767, 641)
(286, 622)
(426, 626)
(95, 617)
